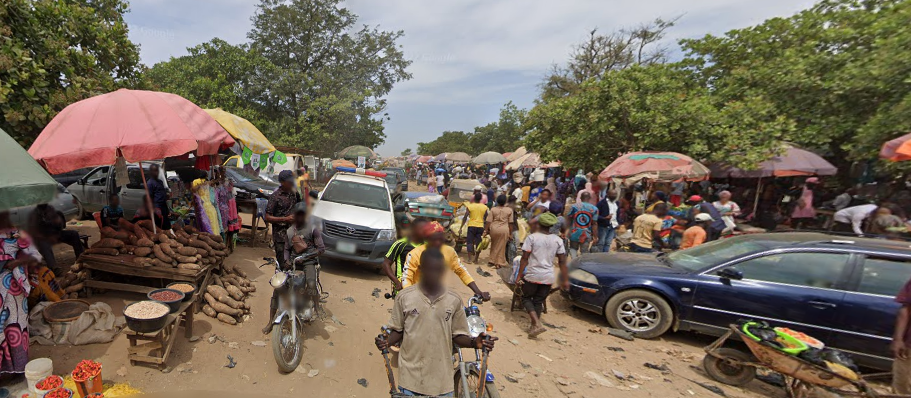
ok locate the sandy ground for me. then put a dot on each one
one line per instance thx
(575, 358)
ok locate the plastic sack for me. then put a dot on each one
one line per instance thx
(485, 243)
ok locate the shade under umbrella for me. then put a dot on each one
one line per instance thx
(423, 159)
(517, 154)
(440, 158)
(489, 158)
(25, 183)
(794, 162)
(659, 166)
(242, 130)
(138, 125)
(355, 151)
(458, 157)
(897, 150)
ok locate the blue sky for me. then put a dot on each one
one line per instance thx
(470, 56)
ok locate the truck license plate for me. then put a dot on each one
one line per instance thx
(346, 247)
(433, 212)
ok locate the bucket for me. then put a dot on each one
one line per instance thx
(91, 386)
(36, 370)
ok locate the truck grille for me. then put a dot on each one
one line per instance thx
(342, 231)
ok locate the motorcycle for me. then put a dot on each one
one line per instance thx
(467, 380)
(299, 296)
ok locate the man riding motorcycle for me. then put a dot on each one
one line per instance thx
(301, 239)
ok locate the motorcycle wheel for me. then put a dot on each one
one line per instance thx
(287, 354)
(490, 390)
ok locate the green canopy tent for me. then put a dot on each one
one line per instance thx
(26, 183)
(352, 153)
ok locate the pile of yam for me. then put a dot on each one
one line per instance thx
(72, 283)
(226, 296)
(182, 247)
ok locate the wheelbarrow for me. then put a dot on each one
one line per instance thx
(734, 367)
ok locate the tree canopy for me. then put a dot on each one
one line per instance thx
(56, 52)
(504, 135)
(309, 77)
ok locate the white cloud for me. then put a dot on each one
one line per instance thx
(465, 52)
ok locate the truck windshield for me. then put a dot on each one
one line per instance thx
(354, 194)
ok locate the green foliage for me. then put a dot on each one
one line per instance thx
(406, 152)
(655, 108)
(841, 71)
(504, 135)
(56, 52)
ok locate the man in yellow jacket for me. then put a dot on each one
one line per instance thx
(435, 236)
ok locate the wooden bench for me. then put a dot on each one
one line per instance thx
(155, 347)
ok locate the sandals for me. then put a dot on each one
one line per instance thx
(536, 332)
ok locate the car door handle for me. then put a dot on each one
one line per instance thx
(101, 191)
(822, 304)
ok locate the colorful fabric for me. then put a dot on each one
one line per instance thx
(431, 228)
(583, 215)
(14, 289)
(44, 285)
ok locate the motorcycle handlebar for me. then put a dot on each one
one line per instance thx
(476, 299)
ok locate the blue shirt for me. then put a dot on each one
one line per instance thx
(157, 192)
(706, 207)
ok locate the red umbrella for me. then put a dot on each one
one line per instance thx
(138, 125)
(898, 149)
(662, 166)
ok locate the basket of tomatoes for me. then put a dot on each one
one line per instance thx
(87, 376)
(59, 393)
(47, 384)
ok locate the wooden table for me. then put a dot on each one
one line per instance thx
(155, 347)
(249, 206)
(124, 265)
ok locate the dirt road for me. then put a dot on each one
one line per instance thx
(575, 357)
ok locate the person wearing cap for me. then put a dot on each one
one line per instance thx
(435, 237)
(701, 206)
(696, 234)
(536, 270)
(278, 212)
(301, 237)
(479, 189)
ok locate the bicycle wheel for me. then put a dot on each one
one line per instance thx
(490, 390)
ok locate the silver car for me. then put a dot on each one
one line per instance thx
(64, 202)
(93, 189)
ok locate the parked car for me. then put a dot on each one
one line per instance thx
(836, 289)
(400, 174)
(426, 205)
(92, 190)
(295, 162)
(392, 184)
(355, 214)
(64, 202)
(249, 186)
(71, 176)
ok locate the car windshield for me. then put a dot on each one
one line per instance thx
(354, 194)
(391, 180)
(711, 253)
(242, 176)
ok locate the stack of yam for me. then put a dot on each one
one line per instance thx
(227, 295)
(182, 247)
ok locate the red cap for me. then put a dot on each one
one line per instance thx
(695, 198)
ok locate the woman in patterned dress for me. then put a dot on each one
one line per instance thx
(17, 255)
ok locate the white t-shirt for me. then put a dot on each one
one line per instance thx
(545, 205)
(543, 248)
(439, 180)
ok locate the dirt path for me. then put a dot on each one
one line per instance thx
(574, 358)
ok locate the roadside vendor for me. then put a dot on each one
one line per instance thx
(159, 195)
(278, 212)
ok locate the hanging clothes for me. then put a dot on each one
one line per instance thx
(213, 205)
(206, 217)
(233, 216)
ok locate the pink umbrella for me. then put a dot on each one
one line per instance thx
(138, 125)
(662, 166)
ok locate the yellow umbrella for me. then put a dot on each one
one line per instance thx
(242, 130)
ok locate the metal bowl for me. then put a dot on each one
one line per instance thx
(187, 295)
(175, 304)
(145, 325)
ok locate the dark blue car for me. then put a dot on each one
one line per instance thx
(839, 290)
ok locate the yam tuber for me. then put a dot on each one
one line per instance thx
(187, 251)
(107, 232)
(235, 292)
(156, 250)
(158, 263)
(167, 250)
(74, 288)
(127, 249)
(219, 253)
(185, 259)
(222, 296)
(145, 242)
(109, 242)
(163, 238)
(221, 307)
(108, 251)
(191, 267)
(226, 319)
(143, 261)
(142, 251)
(147, 224)
(183, 240)
(206, 309)
(217, 280)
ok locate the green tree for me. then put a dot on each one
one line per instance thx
(841, 71)
(215, 74)
(327, 79)
(406, 152)
(504, 135)
(657, 107)
(56, 52)
(449, 141)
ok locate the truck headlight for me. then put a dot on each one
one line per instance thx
(583, 276)
(386, 234)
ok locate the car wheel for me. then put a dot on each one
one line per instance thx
(644, 313)
(80, 211)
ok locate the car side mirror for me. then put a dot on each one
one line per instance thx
(399, 208)
(731, 273)
(81, 181)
